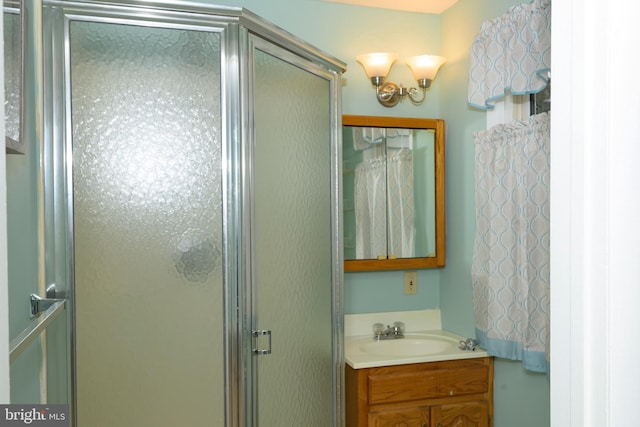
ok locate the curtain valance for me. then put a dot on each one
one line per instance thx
(511, 53)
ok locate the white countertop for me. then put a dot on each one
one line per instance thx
(357, 356)
(363, 351)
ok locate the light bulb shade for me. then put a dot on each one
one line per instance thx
(425, 67)
(377, 64)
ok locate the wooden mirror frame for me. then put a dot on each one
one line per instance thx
(437, 125)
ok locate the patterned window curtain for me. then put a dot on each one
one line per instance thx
(512, 53)
(510, 268)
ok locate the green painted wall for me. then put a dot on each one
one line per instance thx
(22, 242)
(521, 398)
(346, 31)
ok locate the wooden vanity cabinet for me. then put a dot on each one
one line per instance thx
(436, 394)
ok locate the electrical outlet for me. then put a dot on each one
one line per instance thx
(410, 282)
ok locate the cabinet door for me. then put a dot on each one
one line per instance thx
(468, 414)
(407, 417)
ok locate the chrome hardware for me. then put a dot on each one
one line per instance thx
(39, 304)
(36, 327)
(261, 333)
(469, 344)
(390, 333)
(378, 330)
(51, 291)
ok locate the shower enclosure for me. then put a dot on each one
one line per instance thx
(190, 170)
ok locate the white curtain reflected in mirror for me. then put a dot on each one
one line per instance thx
(389, 191)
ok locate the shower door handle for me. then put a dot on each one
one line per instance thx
(256, 335)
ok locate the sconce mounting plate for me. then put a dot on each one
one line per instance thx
(388, 94)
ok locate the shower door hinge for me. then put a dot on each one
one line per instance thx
(257, 334)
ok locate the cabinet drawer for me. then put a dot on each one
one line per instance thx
(455, 382)
(409, 417)
(427, 384)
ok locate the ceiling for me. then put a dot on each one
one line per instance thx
(422, 6)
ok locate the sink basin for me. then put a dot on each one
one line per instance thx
(416, 347)
(410, 345)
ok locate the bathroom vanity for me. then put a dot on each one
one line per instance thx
(431, 394)
(425, 379)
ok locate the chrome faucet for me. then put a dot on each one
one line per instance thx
(468, 344)
(389, 333)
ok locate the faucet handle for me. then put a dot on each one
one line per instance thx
(378, 329)
(399, 326)
(469, 344)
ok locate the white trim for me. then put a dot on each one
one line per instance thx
(566, 302)
(595, 206)
(508, 109)
(623, 208)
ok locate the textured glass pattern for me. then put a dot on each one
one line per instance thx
(148, 226)
(293, 244)
(12, 74)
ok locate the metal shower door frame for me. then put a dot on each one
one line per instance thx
(236, 26)
(283, 51)
(58, 163)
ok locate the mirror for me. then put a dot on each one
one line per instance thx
(393, 191)
(13, 66)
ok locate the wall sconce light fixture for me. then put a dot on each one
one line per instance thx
(378, 65)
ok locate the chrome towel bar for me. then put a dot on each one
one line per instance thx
(36, 327)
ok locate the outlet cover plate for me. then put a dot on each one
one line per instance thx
(410, 282)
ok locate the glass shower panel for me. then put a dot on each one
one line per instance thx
(147, 195)
(293, 269)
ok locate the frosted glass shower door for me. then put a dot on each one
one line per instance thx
(293, 235)
(147, 206)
